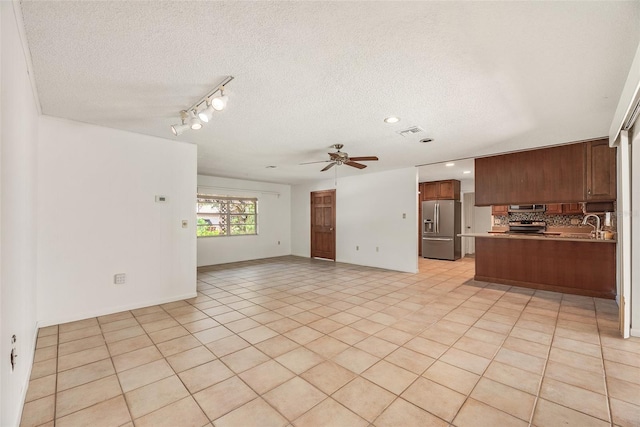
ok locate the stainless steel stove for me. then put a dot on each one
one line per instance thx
(527, 227)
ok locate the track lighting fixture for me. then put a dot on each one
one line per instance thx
(206, 114)
(219, 102)
(194, 122)
(179, 128)
(203, 110)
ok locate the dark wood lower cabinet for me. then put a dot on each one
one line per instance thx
(581, 268)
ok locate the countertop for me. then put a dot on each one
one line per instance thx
(570, 237)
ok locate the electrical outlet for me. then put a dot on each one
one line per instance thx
(377, 249)
(278, 241)
(404, 216)
(575, 221)
(185, 223)
(357, 248)
(119, 279)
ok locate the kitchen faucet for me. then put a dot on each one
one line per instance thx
(596, 228)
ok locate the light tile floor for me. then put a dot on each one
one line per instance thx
(293, 341)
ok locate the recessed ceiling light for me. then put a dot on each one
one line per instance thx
(449, 165)
(466, 172)
(392, 119)
(270, 167)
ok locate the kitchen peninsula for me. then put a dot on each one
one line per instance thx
(571, 260)
(573, 265)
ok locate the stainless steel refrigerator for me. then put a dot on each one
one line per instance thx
(441, 225)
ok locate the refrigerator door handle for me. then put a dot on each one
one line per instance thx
(437, 217)
(439, 239)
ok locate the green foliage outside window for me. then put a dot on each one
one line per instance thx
(226, 216)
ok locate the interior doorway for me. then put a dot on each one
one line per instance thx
(323, 224)
(475, 219)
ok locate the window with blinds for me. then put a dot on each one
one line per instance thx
(226, 216)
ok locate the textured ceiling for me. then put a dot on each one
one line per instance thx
(478, 77)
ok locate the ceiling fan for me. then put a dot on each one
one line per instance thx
(342, 158)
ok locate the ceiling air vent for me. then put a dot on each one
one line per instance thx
(411, 131)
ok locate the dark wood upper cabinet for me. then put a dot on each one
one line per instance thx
(500, 210)
(440, 190)
(430, 191)
(601, 171)
(569, 174)
(553, 209)
(563, 209)
(572, 209)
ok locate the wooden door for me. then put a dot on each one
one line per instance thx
(323, 224)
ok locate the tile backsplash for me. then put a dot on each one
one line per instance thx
(551, 220)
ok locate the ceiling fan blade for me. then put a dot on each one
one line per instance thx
(365, 158)
(355, 165)
(319, 161)
(329, 166)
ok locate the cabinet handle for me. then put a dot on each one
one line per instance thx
(589, 192)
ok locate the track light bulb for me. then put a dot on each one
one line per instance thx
(178, 129)
(194, 122)
(219, 102)
(206, 114)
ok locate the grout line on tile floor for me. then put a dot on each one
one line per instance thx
(544, 369)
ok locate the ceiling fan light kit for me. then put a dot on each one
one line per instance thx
(202, 111)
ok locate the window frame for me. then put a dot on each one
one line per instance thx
(228, 201)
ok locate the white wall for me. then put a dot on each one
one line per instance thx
(97, 216)
(369, 214)
(467, 186)
(18, 142)
(635, 230)
(274, 222)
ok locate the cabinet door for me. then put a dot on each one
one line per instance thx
(553, 209)
(500, 210)
(445, 190)
(430, 191)
(572, 208)
(491, 180)
(601, 171)
(537, 176)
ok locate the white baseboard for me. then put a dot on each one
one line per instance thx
(634, 332)
(25, 385)
(103, 312)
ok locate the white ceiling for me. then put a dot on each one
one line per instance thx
(479, 77)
